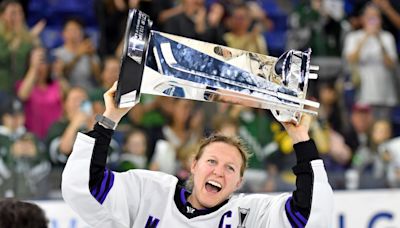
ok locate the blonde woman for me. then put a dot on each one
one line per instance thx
(141, 198)
(16, 41)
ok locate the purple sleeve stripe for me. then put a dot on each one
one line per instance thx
(94, 190)
(292, 216)
(301, 217)
(100, 191)
(103, 184)
(111, 183)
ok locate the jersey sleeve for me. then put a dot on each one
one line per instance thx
(102, 198)
(311, 204)
(113, 209)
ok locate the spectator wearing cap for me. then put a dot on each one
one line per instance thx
(12, 119)
(361, 119)
(358, 136)
(23, 164)
(41, 93)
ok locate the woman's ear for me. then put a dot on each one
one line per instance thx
(239, 183)
(193, 166)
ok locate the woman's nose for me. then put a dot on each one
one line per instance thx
(218, 171)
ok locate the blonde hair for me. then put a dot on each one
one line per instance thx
(233, 141)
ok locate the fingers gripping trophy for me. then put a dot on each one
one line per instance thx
(167, 65)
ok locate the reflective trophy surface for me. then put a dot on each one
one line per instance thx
(167, 65)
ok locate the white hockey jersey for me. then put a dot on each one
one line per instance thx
(145, 199)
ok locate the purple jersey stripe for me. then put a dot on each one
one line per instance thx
(94, 190)
(103, 184)
(292, 216)
(301, 217)
(111, 183)
(100, 191)
(183, 198)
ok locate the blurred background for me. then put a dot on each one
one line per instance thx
(58, 57)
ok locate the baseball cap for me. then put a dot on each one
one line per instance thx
(360, 107)
(11, 106)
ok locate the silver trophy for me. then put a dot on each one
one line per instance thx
(167, 65)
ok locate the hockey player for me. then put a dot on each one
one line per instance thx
(148, 199)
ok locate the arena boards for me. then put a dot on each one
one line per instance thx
(167, 65)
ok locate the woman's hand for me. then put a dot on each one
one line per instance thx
(37, 58)
(38, 28)
(112, 111)
(299, 133)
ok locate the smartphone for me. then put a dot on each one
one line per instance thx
(86, 107)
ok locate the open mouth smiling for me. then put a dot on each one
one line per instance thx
(213, 186)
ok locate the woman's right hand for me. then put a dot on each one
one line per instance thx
(112, 111)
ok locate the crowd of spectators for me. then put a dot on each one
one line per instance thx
(47, 95)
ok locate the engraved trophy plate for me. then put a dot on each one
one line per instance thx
(167, 65)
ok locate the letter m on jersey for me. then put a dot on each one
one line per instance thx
(152, 222)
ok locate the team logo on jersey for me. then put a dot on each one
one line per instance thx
(243, 213)
(190, 210)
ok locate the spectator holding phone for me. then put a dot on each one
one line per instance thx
(372, 53)
(78, 116)
(41, 94)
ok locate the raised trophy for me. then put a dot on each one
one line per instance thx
(167, 65)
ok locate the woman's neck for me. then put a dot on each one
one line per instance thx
(194, 202)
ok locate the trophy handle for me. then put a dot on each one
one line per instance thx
(294, 68)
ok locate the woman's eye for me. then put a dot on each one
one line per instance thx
(230, 168)
(212, 162)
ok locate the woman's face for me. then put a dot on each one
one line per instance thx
(241, 20)
(13, 15)
(73, 32)
(111, 72)
(74, 99)
(43, 67)
(371, 19)
(136, 144)
(216, 175)
(381, 131)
